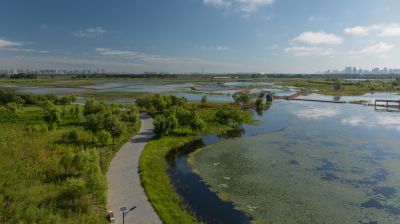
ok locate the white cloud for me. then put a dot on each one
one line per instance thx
(357, 31)
(392, 30)
(317, 38)
(90, 32)
(217, 48)
(384, 121)
(7, 43)
(354, 121)
(317, 113)
(110, 52)
(306, 51)
(244, 6)
(223, 48)
(218, 3)
(378, 48)
(383, 30)
(157, 58)
(24, 50)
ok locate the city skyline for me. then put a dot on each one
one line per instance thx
(349, 70)
(215, 36)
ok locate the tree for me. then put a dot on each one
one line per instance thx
(63, 112)
(104, 137)
(74, 189)
(66, 100)
(114, 127)
(95, 182)
(76, 111)
(93, 123)
(81, 161)
(8, 96)
(230, 117)
(159, 102)
(259, 104)
(337, 84)
(178, 101)
(11, 110)
(91, 107)
(71, 137)
(131, 116)
(165, 124)
(204, 99)
(66, 160)
(196, 124)
(182, 115)
(52, 115)
(145, 102)
(244, 98)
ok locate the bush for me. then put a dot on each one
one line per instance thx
(165, 124)
(104, 137)
(337, 85)
(70, 137)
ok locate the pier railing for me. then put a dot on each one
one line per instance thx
(387, 103)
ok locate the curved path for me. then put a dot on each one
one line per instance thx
(124, 187)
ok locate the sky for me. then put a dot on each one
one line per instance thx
(270, 36)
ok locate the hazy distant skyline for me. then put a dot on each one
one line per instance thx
(188, 35)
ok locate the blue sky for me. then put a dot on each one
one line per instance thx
(185, 35)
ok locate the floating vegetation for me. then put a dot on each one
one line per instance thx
(223, 185)
(312, 168)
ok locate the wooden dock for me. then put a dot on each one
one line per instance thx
(386, 103)
(305, 91)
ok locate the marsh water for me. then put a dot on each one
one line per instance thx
(119, 91)
(306, 162)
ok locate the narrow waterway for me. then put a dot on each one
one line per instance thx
(205, 204)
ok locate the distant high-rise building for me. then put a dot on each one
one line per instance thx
(375, 71)
(348, 70)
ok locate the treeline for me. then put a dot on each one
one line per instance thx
(10, 96)
(175, 115)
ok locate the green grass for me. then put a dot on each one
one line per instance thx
(157, 184)
(349, 88)
(32, 181)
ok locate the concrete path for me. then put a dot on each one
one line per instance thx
(124, 187)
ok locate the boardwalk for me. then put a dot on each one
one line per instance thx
(124, 187)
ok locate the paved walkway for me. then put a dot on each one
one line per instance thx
(124, 187)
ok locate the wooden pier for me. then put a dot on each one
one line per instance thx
(386, 103)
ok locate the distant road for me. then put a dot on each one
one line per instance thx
(124, 187)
